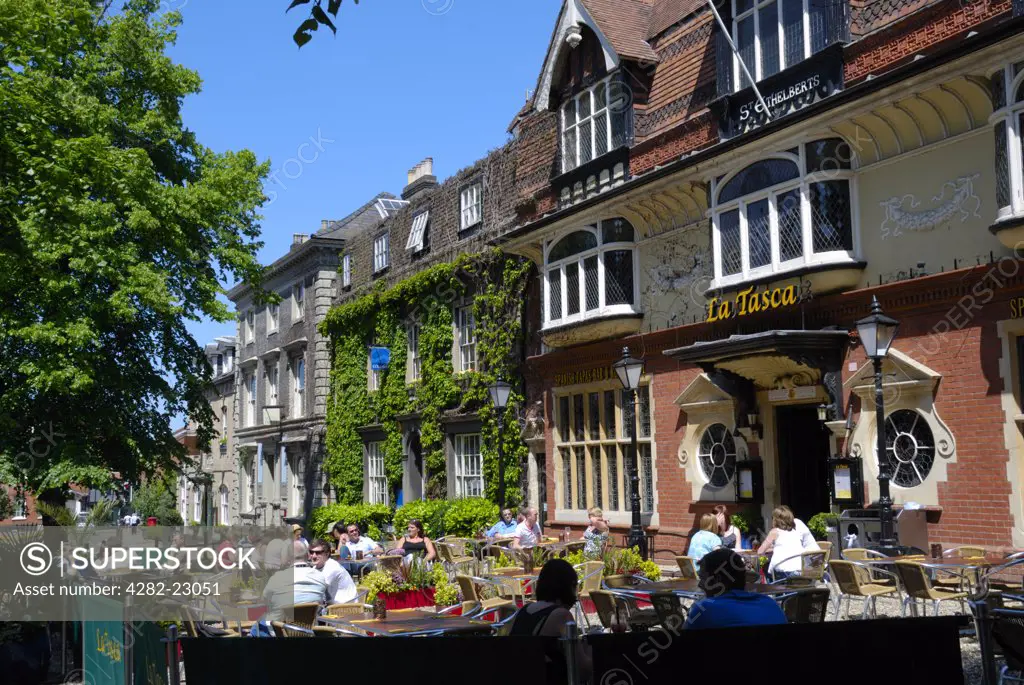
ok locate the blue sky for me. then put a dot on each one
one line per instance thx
(403, 80)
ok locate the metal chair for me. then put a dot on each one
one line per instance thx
(286, 630)
(305, 614)
(1008, 634)
(590, 574)
(812, 566)
(609, 609)
(993, 579)
(914, 577)
(450, 559)
(855, 579)
(687, 567)
(807, 606)
(473, 602)
(964, 551)
(669, 609)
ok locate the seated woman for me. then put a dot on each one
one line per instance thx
(595, 537)
(730, 534)
(705, 539)
(547, 617)
(785, 542)
(415, 543)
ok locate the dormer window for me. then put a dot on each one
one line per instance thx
(594, 122)
(783, 213)
(590, 273)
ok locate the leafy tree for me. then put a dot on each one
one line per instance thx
(317, 18)
(155, 498)
(116, 227)
(6, 506)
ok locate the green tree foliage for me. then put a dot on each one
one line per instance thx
(156, 498)
(6, 505)
(116, 227)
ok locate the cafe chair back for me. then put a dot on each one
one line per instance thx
(606, 604)
(669, 609)
(855, 579)
(807, 606)
(687, 567)
(861, 554)
(825, 547)
(331, 631)
(964, 551)
(346, 609)
(812, 567)
(914, 577)
(305, 614)
(286, 630)
(474, 603)
(998, 578)
(1008, 636)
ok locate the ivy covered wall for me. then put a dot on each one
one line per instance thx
(495, 285)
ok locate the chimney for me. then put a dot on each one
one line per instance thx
(299, 238)
(324, 223)
(421, 179)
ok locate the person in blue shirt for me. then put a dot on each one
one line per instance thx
(504, 527)
(704, 540)
(727, 604)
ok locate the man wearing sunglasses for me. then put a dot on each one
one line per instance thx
(340, 587)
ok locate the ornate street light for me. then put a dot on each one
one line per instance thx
(877, 332)
(500, 391)
(629, 371)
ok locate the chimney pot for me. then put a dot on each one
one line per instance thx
(420, 178)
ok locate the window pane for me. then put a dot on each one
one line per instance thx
(644, 398)
(628, 420)
(577, 412)
(609, 414)
(586, 144)
(563, 418)
(791, 232)
(759, 234)
(1002, 166)
(600, 134)
(569, 113)
(646, 469)
(745, 46)
(1020, 93)
(793, 31)
(594, 408)
(621, 112)
(566, 479)
(743, 5)
(555, 294)
(618, 276)
(729, 237)
(574, 243)
(617, 231)
(595, 477)
(612, 463)
(758, 176)
(828, 155)
(572, 288)
(819, 11)
(581, 478)
(569, 149)
(593, 292)
(830, 216)
(584, 106)
(768, 29)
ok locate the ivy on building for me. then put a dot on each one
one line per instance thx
(495, 285)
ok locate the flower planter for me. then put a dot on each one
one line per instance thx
(409, 599)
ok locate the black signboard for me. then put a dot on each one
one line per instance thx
(846, 482)
(749, 481)
(786, 92)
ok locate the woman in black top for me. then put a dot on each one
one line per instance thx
(415, 542)
(548, 616)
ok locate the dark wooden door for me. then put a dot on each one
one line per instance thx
(803, 451)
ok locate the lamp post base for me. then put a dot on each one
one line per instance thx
(638, 539)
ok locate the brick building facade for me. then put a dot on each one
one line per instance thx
(734, 251)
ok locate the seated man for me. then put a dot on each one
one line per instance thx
(505, 526)
(340, 587)
(727, 604)
(358, 543)
(527, 533)
(299, 582)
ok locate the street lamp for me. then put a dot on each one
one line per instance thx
(629, 371)
(877, 332)
(500, 391)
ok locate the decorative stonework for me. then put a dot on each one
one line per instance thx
(963, 200)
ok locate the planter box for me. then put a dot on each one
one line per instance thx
(409, 599)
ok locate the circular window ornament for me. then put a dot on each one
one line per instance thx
(717, 455)
(909, 448)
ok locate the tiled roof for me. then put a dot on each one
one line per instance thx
(625, 23)
(665, 13)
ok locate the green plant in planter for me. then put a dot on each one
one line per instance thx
(445, 594)
(743, 521)
(504, 561)
(820, 523)
(628, 561)
(377, 582)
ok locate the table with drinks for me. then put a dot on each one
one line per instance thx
(405, 622)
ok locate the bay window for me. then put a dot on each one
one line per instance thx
(784, 212)
(590, 273)
(594, 122)
(1008, 120)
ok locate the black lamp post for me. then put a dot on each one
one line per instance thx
(877, 332)
(500, 391)
(629, 371)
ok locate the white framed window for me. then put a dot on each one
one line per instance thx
(183, 501)
(590, 273)
(784, 212)
(909, 448)
(380, 252)
(298, 301)
(20, 504)
(466, 329)
(250, 491)
(283, 468)
(471, 200)
(250, 399)
(469, 466)
(716, 454)
(1008, 123)
(772, 35)
(224, 508)
(413, 354)
(595, 122)
(197, 504)
(298, 386)
(273, 317)
(376, 478)
(417, 234)
(249, 329)
(346, 271)
(593, 437)
(260, 467)
(272, 378)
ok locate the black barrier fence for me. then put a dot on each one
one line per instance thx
(854, 652)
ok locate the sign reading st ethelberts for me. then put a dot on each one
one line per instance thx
(786, 92)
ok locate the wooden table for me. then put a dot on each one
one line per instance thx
(407, 621)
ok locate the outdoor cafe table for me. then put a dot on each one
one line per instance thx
(690, 588)
(405, 621)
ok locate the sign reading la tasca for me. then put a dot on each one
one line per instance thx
(751, 301)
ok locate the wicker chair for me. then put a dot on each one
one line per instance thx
(687, 567)
(861, 554)
(914, 578)
(854, 579)
(812, 567)
(346, 609)
(391, 563)
(825, 547)
(670, 611)
(993, 578)
(590, 573)
(964, 551)
(194, 627)
(304, 615)
(286, 630)
(607, 606)
(473, 602)
(808, 606)
(451, 560)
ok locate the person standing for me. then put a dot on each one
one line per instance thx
(595, 537)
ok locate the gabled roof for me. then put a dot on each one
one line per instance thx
(665, 13)
(626, 24)
(362, 219)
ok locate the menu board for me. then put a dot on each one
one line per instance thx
(843, 486)
(746, 484)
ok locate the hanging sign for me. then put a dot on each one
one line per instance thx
(752, 301)
(601, 373)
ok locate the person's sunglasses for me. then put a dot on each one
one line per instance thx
(316, 551)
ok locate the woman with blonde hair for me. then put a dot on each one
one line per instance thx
(705, 539)
(785, 542)
(595, 537)
(730, 534)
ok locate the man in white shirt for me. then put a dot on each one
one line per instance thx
(295, 584)
(528, 532)
(340, 587)
(358, 543)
